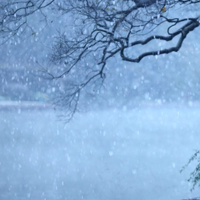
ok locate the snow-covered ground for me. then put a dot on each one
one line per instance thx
(107, 155)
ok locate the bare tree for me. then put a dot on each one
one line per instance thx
(99, 30)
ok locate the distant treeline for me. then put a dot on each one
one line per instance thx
(23, 85)
(122, 87)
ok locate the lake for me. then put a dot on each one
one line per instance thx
(106, 155)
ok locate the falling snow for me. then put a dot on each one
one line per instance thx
(131, 133)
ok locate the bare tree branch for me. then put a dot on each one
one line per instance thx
(99, 30)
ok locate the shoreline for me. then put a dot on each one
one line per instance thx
(7, 105)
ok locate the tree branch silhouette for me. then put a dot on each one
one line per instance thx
(96, 32)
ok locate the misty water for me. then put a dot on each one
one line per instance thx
(130, 155)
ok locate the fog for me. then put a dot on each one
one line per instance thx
(130, 136)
